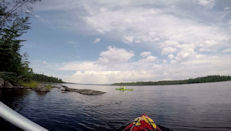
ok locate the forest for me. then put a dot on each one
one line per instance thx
(211, 78)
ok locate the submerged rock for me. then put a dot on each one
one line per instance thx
(82, 91)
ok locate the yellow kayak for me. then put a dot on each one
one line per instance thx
(124, 89)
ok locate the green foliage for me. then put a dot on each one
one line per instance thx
(9, 76)
(14, 67)
(30, 84)
(212, 78)
(48, 87)
(44, 78)
(12, 26)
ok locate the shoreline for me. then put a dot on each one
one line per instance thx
(198, 80)
(38, 86)
(46, 87)
(176, 84)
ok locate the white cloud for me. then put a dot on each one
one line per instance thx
(168, 50)
(115, 55)
(109, 69)
(167, 32)
(97, 40)
(44, 62)
(170, 56)
(81, 66)
(206, 3)
(185, 44)
(226, 8)
(149, 59)
(227, 50)
(128, 39)
(108, 76)
(145, 53)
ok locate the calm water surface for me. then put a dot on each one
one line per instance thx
(193, 107)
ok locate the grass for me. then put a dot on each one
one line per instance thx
(30, 84)
(34, 85)
(48, 87)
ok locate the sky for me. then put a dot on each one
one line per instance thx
(108, 41)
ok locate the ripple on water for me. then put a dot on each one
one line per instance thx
(183, 107)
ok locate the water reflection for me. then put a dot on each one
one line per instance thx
(41, 94)
(12, 98)
(180, 107)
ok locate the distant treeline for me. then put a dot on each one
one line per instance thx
(212, 78)
(44, 78)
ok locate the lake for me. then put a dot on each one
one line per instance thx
(192, 107)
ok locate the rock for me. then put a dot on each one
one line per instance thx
(7, 84)
(64, 86)
(83, 91)
(1, 83)
(55, 86)
(20, 87)
(42, 88)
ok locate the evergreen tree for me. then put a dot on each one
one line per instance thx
(13, 24)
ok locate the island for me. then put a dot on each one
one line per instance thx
(205, 79)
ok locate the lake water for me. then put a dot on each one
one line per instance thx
(192, 107)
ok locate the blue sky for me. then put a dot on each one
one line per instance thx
(106, 41)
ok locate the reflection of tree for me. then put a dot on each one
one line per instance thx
(12, 98)
(41, 93)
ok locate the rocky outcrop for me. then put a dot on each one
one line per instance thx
(82, 91)
(5, 84)
(42, 88)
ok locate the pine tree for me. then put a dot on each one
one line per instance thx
(13, 24)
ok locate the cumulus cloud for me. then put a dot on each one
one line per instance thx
(206, 3)
(186, 43)
(167, 50)
(115, 68)
(115, 55)
(148, 59)
(113, 65)
(128, 39)
(159, 29)
(227, 50)
(145, 53)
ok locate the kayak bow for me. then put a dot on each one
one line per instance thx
(142, 123)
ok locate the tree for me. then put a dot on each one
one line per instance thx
(14, 23)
